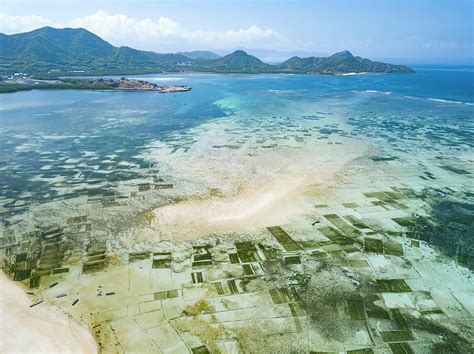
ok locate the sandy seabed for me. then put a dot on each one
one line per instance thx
(230, 189)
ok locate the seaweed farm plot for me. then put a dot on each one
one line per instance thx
(214, 294)
(346, 277)
(267, 224)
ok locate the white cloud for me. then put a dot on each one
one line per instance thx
(166, 34)
(163, 34)
(16, 24)
(235, 38)
(122, 27)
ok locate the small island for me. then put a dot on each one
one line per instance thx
(24, 83)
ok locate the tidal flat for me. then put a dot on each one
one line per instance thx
(253, 214)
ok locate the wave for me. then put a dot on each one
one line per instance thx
(444, 101)
(440, 100)
(159, 78)
(374, 91)
(262, 76)
(353, 74)
(282, 91)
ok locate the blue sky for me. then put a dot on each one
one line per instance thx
(370, 28)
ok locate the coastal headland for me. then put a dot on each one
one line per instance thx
(123, 84)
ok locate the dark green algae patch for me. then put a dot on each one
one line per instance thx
(449, 227)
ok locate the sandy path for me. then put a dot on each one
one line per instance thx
(41, 329)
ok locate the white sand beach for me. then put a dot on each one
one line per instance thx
(39, 329)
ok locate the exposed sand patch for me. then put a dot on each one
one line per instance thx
(257, 186)
(274, 204)
(251, 198)
(41, 329)
(257, 202)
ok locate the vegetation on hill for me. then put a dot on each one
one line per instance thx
(236, 62)
(200, 55)
(76, 51)
(339, 63)
(49, 52)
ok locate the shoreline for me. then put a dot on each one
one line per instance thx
(97, 84)
(40, 329)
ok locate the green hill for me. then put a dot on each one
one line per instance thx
(200, 55)
(339, 63)
(54, 52)
(236, 62)
(51, 50)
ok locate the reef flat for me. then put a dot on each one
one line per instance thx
(286, 221)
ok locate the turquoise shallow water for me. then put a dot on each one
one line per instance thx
(53, 141)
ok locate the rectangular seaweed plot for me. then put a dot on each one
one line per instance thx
(356, 310)
(393, 286)
(309, 245)
(342, 225)
(247, 252)
(393, 248)
(284, 239)
(270, 254)
(373, 245)
(35, 282)
(383, 196)
(399, 319)
(138, 256)
(169, 294)
(397, 336)
(163, 186)
(401, 348)
(197, 277)
(219, 288)
(405, 222)
(234, 258)
(293, 259)
(378, 314)
(201, 257)
(247, 269)
(162, 260)
(279, 295)
(360, 351)
(335, 236)
(357, 223)
(22, 274)
(232, 286)
(200, 350)
(296, 309)
(358, 263)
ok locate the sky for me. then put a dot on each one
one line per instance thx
(369, 28)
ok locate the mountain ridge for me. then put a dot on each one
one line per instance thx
(200, 55)
(51, 51)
